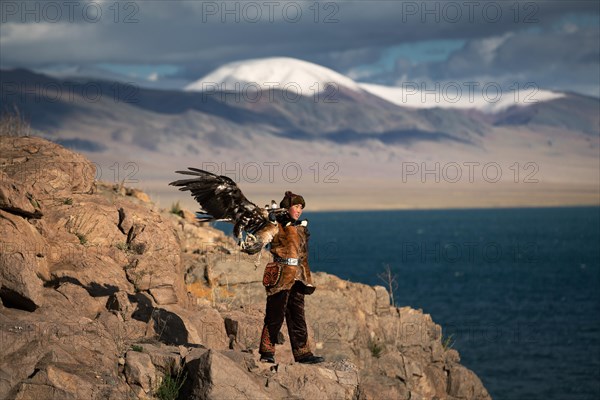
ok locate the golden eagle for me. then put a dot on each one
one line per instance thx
(221, 199)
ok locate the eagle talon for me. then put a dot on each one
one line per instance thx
(249, 242)
(253, 248)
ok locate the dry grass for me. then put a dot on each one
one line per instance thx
(215, 294)
(200, 290)
(13, 123)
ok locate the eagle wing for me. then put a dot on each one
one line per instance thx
(222, 199)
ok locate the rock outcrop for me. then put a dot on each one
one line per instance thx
(105, 296)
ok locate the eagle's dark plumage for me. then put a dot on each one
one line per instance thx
(223, 200)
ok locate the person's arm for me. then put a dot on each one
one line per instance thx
(263, 237)
(304, 249)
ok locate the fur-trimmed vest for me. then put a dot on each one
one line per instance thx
(290, 240)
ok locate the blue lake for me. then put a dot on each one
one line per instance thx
(517, 290)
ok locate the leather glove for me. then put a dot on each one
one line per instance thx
(254, 248)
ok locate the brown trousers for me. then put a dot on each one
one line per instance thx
(288, 304)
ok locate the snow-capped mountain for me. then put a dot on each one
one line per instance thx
(455, 96)
(305, 78)
(274, 73)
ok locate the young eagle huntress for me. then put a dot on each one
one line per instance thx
(287, 279)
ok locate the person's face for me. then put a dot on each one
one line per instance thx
(295, 211)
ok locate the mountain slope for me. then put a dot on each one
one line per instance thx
(52, 103)
(571, 111)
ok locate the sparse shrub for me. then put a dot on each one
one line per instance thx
(138, 248)
(376, 348)
(176, 209)
(77, 226)
(82, 238)
(137, 348)
(170, 386)
(68, 201)
(448, 342)
(33, 201)
(160, 324)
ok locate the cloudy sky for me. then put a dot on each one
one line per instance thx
(552, 44)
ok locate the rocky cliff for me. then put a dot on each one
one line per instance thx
(105, 296)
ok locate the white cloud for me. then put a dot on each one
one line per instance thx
(486, 49)
(30, 34)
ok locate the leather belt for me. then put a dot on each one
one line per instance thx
(288, 261)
